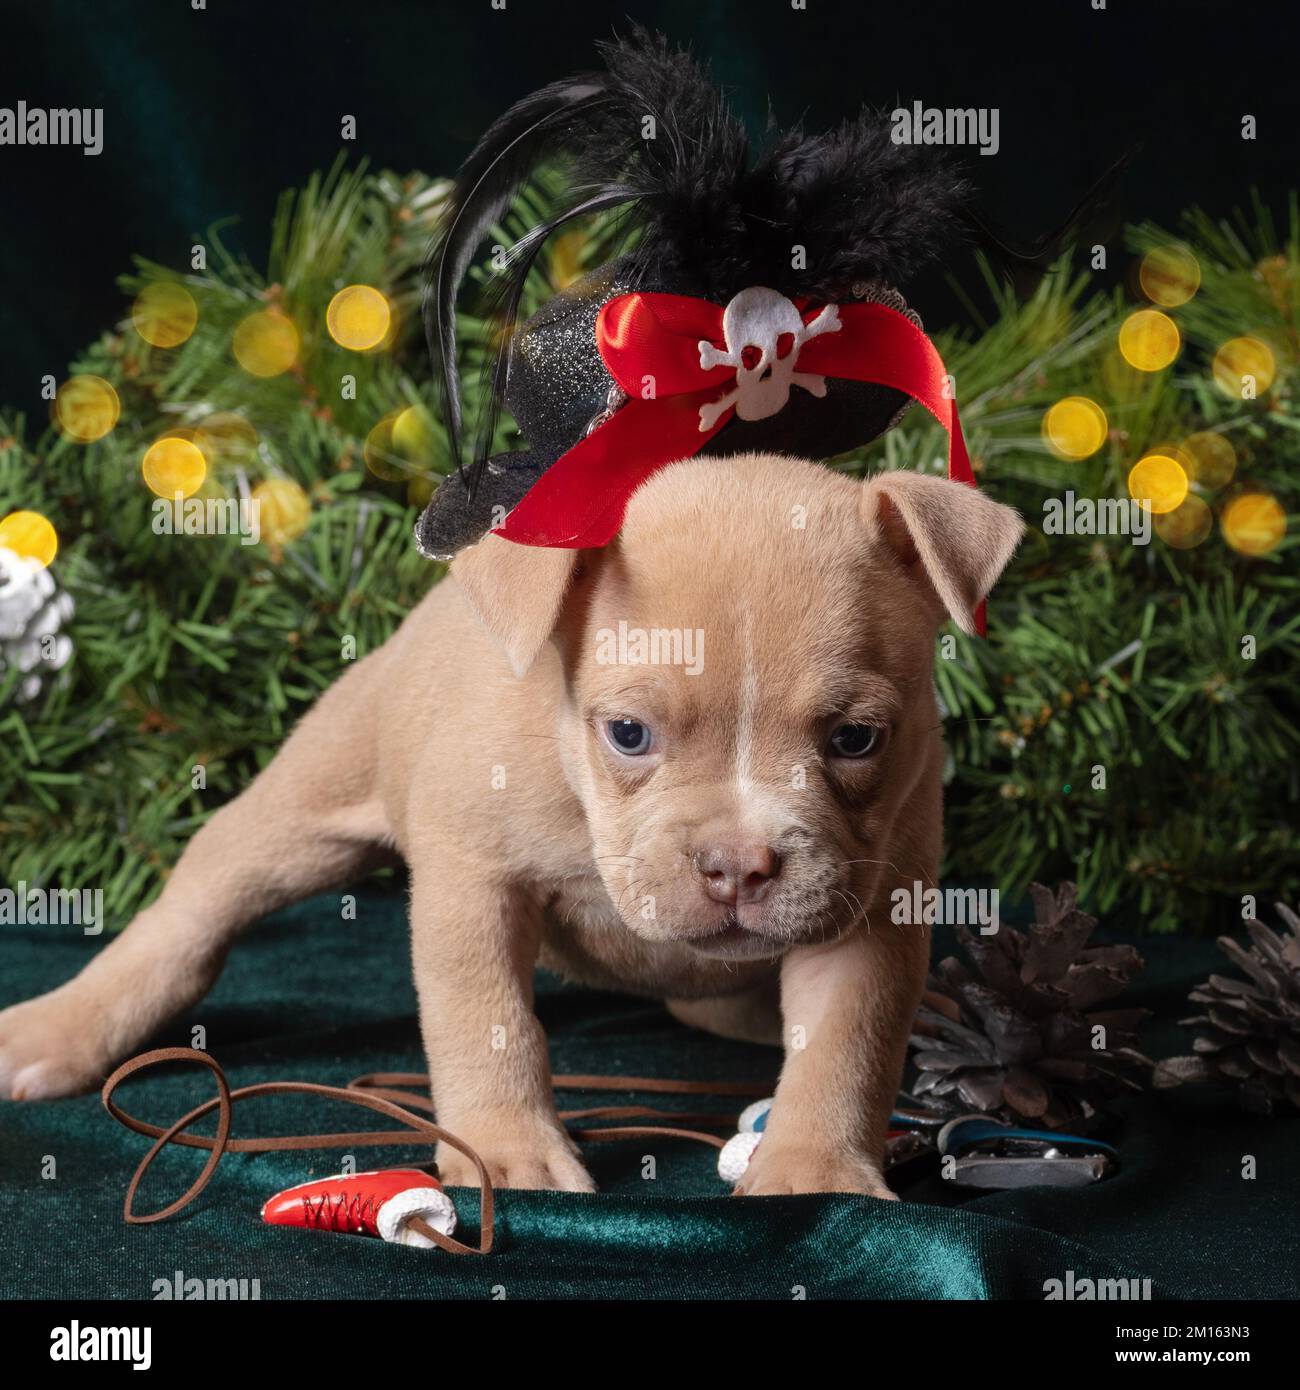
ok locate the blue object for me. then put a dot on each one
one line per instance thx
(961, 1134)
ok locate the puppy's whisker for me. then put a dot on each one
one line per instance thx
(637, 888)
(889, 864)
(856, 900)
(647, 890)
(849, 905)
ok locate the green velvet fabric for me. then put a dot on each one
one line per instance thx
(312, 997)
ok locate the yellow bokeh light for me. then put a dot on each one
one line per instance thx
(226, 435)
(1187, 525)
(1166, 448)
(164, 314)
(30, 535)
(86, 408)
(174, 464)
(284, 510)
(1213, 459)
(1253, 523)
(265, 343)
(400, 445)
(1158, 483)
(380, 451)
(1169, 276)
(1279, 274)
(1149, 340)
(1075, 427)
(1244, 368)
(358, 318)
(413, 433)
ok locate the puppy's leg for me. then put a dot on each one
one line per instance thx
(304, 825)
(848, 1010)
(474, 945)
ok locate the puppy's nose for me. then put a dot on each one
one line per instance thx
(737, 872)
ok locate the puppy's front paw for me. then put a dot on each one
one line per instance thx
(52, 1046)
(532, 1152)
(775, 1169)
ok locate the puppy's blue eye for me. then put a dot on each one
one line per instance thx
(854, 740)
(629, 736)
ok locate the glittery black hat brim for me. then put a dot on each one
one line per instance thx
(558, 387)
(850, 413)
(454, 519)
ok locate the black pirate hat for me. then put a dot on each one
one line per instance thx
(799, 246)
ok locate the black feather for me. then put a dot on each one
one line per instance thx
(669, 135)
(502, 310)
(499, 164)
(862, 207)
(1011, 257)
(721, 216)
(710, 216)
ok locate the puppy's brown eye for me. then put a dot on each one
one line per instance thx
(854, 740)
(629, 736)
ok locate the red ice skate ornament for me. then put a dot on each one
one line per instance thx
(378, 1203)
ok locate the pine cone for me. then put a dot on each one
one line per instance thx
(1249, 1034)
(1014, 1040)
(33, 611)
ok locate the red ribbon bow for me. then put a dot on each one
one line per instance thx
(580, 500)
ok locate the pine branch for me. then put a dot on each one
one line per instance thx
(202, 652)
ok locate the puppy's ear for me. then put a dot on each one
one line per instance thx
(944, 533)
(517, 591)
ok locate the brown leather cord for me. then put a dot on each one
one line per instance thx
(602, 1112)
(646, 1132)
(386, 1094)
(417, 1127)
(749, 1090)
(663, 1085)
(386, 1083)
(646, 1112)
(381, 1083)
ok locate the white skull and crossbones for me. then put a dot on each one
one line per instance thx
(763, 332)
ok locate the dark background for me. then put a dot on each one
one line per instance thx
(213, 113)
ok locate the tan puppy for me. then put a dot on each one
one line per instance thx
(721, 829)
